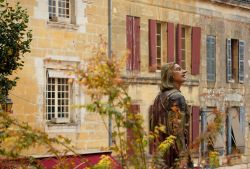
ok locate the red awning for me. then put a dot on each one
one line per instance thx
(78, 162)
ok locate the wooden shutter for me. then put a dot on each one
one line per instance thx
(242, 119)
(241, 61)
(229, 133)
(129, 34)
(211, 58)
(151, 129)
(178, 45)
(135, 108)
(203, 130)
(152, 45)
(170, 41)
(229, 65)
(133, 43)
(195, 50)
(136, 44)
(195, 122)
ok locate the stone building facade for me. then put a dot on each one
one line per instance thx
(209, 38)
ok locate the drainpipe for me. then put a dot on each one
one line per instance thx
(110, 56)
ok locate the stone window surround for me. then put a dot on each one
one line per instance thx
(52, 61)
(77, 24)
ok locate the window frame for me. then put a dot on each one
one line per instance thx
(56, 98)
(206, 117)
(235, 60)
(230, 138)
(183, 47)
(159, 46)
(211, 77)
(57, 17)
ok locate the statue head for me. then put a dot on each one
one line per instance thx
(172, 76)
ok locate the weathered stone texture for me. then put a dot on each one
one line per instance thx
(222, 21)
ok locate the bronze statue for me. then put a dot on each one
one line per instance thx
(170, 109)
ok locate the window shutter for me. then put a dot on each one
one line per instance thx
(129, 34)
(178, 45)
(203, 130)
(170, 41)
(229, 133)
(151, 142)
(195, 50)
(135, 108)
(195, 122)
(152, 45)
(241, 61)
(136, 44)
(211, 58)
(229, 61)
(242, 120)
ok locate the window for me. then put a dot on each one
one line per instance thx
(181, 45)
(235, 60)
(188, 45)
(207, 117)
(59, 10)
(159, 46)
(183, 48)
(58, 96)
(235, 130)
(211, 58)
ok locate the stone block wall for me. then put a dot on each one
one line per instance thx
(75, 42)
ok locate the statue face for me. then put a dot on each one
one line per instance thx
(179, 74)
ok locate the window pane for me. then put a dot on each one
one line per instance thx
(49, 116)
(158, 52)
(57, 98)
(158, 40)
(53, 95)
(183, 32)
(158, 28)
(183, 44)
(49, 102)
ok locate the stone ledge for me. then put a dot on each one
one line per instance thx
(60, 127)
(153, 80)
(62, 25)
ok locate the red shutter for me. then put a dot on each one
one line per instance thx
(195, 122)
(196, 45)
(178, 45)
(170, 41)
(152, 45)
(151, 142)
(129, 34)
(135, 108)
(136, 44)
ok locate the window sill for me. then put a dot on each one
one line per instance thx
(152, 79)
(61, 127)
(62, 25)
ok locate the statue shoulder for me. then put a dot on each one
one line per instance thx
(171, 94)
(174, 96)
